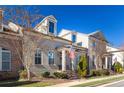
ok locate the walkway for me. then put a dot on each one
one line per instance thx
(81, 81)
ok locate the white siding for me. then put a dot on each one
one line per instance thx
(117, 55)
(80, 37)
(63, 32)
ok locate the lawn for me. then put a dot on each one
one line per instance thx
(99, 82)
(13, 83)
(42, 83)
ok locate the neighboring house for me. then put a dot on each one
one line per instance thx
(117, 55)
(60, 46)
(95, 43)
(40, 48)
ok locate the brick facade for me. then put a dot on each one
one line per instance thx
(11, 43)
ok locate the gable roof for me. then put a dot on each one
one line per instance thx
(98, 35)
(43, 19)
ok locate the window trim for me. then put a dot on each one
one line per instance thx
(75, 38)
(8, 51)
(40, 56)
(53, 27)
(53, 57)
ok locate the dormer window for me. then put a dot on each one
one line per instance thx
(51, 27)
(73, 38)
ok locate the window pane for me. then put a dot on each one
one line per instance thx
(5, 66)
(38, 57)
(6, 61)
(51, 27)
(35, 60)
(73, 38)
(39, 60)
(5, 57)
(51, 57)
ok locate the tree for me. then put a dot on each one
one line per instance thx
(98, 49)
(82, 66)
(25, 20)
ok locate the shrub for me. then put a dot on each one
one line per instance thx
(64, 76)
(46, 74)
(82, 66)
(23, 74)
(117, 67)
(100, 72)
(105, 72)
(96, 73)
(6, 75)
(60, 75)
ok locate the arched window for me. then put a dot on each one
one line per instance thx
(38, 55)
(5, 59)
(51, 57)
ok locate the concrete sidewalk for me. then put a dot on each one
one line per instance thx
(81, 81)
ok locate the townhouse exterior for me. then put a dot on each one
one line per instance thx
(41, 49)
(100, 54)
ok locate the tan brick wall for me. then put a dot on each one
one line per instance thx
(13, 44)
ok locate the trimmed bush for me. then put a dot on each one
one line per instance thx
(105, 72)
(23, 74)
(46, 74)
(60, 75)
(100, 72)
(95, 73)
(82, 66)
(117, 67)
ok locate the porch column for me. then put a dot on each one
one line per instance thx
(110, 62)
(63, 60)
(106, 62)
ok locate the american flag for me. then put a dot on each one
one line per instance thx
(71, 53)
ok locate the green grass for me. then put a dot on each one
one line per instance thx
(99, 82)
(14, 83)
(38, 84)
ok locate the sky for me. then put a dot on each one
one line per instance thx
(87, 19)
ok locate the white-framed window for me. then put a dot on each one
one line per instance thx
(51, 57)
(5, 56)
(38, 56)
(73, 38)
(51, 27)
